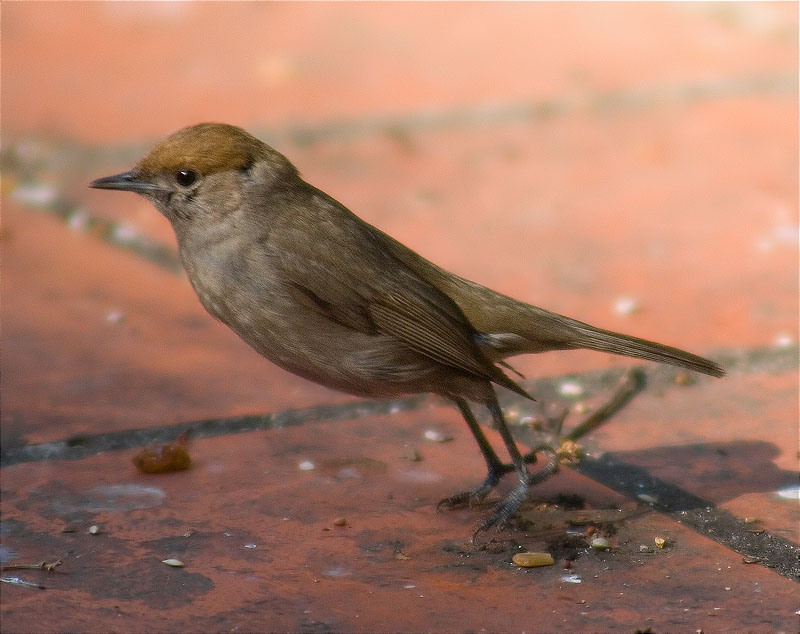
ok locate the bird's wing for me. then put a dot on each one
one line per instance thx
(368, 298)
(351, 276)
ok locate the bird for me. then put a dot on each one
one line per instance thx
(325, 295)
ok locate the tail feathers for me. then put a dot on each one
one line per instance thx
(606, 341)
(507, 382)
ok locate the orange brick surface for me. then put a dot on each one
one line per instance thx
(569, 154)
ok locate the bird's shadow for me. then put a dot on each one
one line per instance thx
(716, 472)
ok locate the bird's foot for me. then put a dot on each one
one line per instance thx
(479, 493)
(507, 507)
(465, 498)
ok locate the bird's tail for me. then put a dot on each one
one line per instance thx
(593, 338)
(508, 327)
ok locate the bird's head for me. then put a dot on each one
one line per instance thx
(202, 171)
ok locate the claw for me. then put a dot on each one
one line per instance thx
(481, 528)
(465, 498)
(507, 508)
(509, 505)
(568, 451)
(479, 493)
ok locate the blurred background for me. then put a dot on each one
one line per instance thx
(633, 165)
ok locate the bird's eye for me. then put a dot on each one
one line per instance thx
(184, 178)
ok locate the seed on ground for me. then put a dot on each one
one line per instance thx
(532, 560)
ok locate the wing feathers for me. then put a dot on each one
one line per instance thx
(422, 328)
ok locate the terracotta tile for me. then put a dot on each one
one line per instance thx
(661, 165)
(730, 442)
(259, 544)
(296, 62)
(96, 340)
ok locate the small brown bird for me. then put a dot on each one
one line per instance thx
(325, 295)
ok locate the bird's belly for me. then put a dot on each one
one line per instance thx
(371, 365)
(311, 345)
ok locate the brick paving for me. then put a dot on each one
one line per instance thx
(572, 155)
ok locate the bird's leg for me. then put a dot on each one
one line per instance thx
(510, 504)
(496, 468)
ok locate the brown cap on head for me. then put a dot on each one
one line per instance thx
(205, 148)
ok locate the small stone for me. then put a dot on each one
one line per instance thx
(601, 543)
(164, 459)
(533, 422)
(644, 548)
(570, 388)
(683, 378)
(306, 465)
(94, 529)
(124, 233)
(790, 492)
(35, 194)
(571, 578)
(115, 317)
(749, 559)
(340, 521)
(580, 408)
(411, 454)
(626, 305)
(660, 541)
(647, 498)
(78, 220)
(533, 560)
(174, 563)
(783, 340)
(434, 435)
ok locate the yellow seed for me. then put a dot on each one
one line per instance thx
(532, 560)
(660, 542)
(570, 451)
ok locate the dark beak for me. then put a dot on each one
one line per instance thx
(128, 181)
